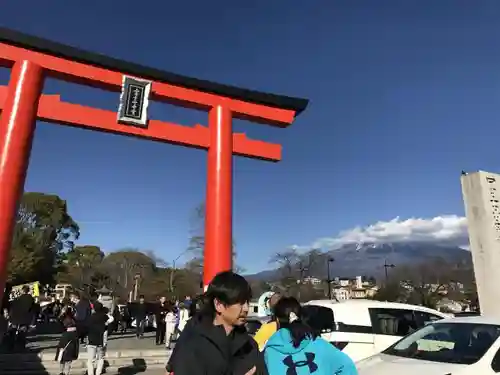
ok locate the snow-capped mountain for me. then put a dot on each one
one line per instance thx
(369, 258)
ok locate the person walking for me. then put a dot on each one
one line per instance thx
(183, 316)
(83, 310)
(97, 328)
(160, 315)
(56, 309)
(140, 317)
(123, 319)
(4, 324)
(68, 347)
(297, 349)
(187, 302)
(215, 341)
(170, 326)
(22, 314)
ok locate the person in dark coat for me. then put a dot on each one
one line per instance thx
(83, 310)
(141, 313)
(23, 308)
(123, 318)
(160, 314)
(68, 347)
(98, 323)
(22, 314)
(214, 341)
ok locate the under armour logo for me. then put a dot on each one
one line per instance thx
(292, 366)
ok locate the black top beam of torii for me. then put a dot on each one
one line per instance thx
(37, 44)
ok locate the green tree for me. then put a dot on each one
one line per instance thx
(428, 281)
(153, 276)
(82, 265)
(391, 292)
(185, 282)
(86, 256)
(124, 266)
(44, 230)
(307, 292)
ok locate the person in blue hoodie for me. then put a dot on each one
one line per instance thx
(296, 349)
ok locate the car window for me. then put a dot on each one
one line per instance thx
(393, 322)
(319, 318)
(424, 318)
(462, 343)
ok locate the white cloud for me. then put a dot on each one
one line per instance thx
(449, 230)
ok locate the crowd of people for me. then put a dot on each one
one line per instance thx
(215, 341)
(86, 322)
(210, 333)
(81, 322)
(169, 318)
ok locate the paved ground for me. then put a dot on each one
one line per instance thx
(126, 355)
(116, 342)
(147, 372)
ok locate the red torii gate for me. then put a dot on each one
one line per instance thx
(22, 103)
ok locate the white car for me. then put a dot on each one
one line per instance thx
(362, 328)
(458, 346)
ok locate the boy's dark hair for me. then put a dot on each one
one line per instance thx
(289, 307)
(26, 289)
(228, 288)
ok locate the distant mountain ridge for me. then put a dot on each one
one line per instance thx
(369, 258)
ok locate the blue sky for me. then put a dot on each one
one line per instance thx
(404, 95)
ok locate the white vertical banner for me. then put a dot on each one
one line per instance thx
(481, 193)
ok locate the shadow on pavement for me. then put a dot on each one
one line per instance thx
(38, 358)
(138, 366)
(22, 362)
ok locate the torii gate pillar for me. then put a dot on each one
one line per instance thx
(219, 202)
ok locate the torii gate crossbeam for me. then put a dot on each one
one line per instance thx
(22, 102)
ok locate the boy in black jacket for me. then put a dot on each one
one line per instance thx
(215, 341)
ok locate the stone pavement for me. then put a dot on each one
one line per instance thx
(146, 372)
(126, 355)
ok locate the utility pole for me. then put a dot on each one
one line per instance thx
(173, 270)
(136, 285)
(386, 267)
(329, 280)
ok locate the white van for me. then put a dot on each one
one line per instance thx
(362, 328)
